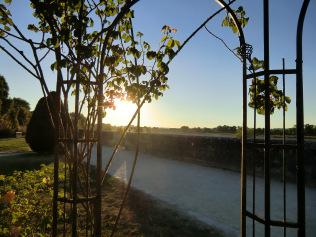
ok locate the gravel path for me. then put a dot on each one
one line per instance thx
(208, 194)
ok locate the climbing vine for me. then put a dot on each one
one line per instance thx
(257, 88)
(92, 41)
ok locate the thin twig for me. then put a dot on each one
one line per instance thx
(136, 151)
(224, 43)
(17, 61)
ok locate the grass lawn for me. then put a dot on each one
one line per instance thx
(17, 155)
(13, 145)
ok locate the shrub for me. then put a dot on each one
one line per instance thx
(6, 132)
(40, 134)
(25, 202)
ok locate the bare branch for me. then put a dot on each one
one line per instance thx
(17, 61)
(224, 43)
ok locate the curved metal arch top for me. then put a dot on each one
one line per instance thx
(243, 181)
(235, 19)
(300, 122)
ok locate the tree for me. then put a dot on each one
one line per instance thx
(14, 113)
(11, 116)
(4, 91)
(185, 128)
(4, 88)
(19, 112)
(23, 116)
(21, 103)
(310, 129)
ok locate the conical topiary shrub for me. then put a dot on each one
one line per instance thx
(40, 134)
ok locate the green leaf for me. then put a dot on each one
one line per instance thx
(53, 66)
(170, 43)
(151, 55)
(164, 38)
(7, 28)
(32, 27)
(163, 67)
(139, 34)
(177, 43)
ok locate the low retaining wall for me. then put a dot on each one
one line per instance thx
(221, 152)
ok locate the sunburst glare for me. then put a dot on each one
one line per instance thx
(123, 112)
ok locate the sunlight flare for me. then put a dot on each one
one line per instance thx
(123, 112)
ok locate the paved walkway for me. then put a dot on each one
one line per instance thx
(10, 153)
(208, 194)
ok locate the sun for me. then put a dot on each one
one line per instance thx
(125, 108)
(121, 115)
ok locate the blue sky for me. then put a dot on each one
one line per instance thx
(205, 78)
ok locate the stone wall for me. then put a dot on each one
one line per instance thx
(221, 152)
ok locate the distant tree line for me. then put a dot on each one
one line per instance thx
(14, 112)
(218, 129)
(310, 130)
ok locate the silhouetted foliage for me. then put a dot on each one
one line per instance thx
(81, 119)
(14, 112)
(40, 134)
(310, 130)
(185, 128)
(257, 88)
(6, 132)
(4, 88)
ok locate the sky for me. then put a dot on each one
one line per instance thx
(205, 78)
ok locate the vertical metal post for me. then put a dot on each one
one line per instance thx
(300, 123)
(254, 157)
(283, 151)
(267, 117)
(243, 170)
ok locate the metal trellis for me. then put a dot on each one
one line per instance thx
(269, 145)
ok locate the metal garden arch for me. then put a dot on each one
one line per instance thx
(88, 200)
(268, 144)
